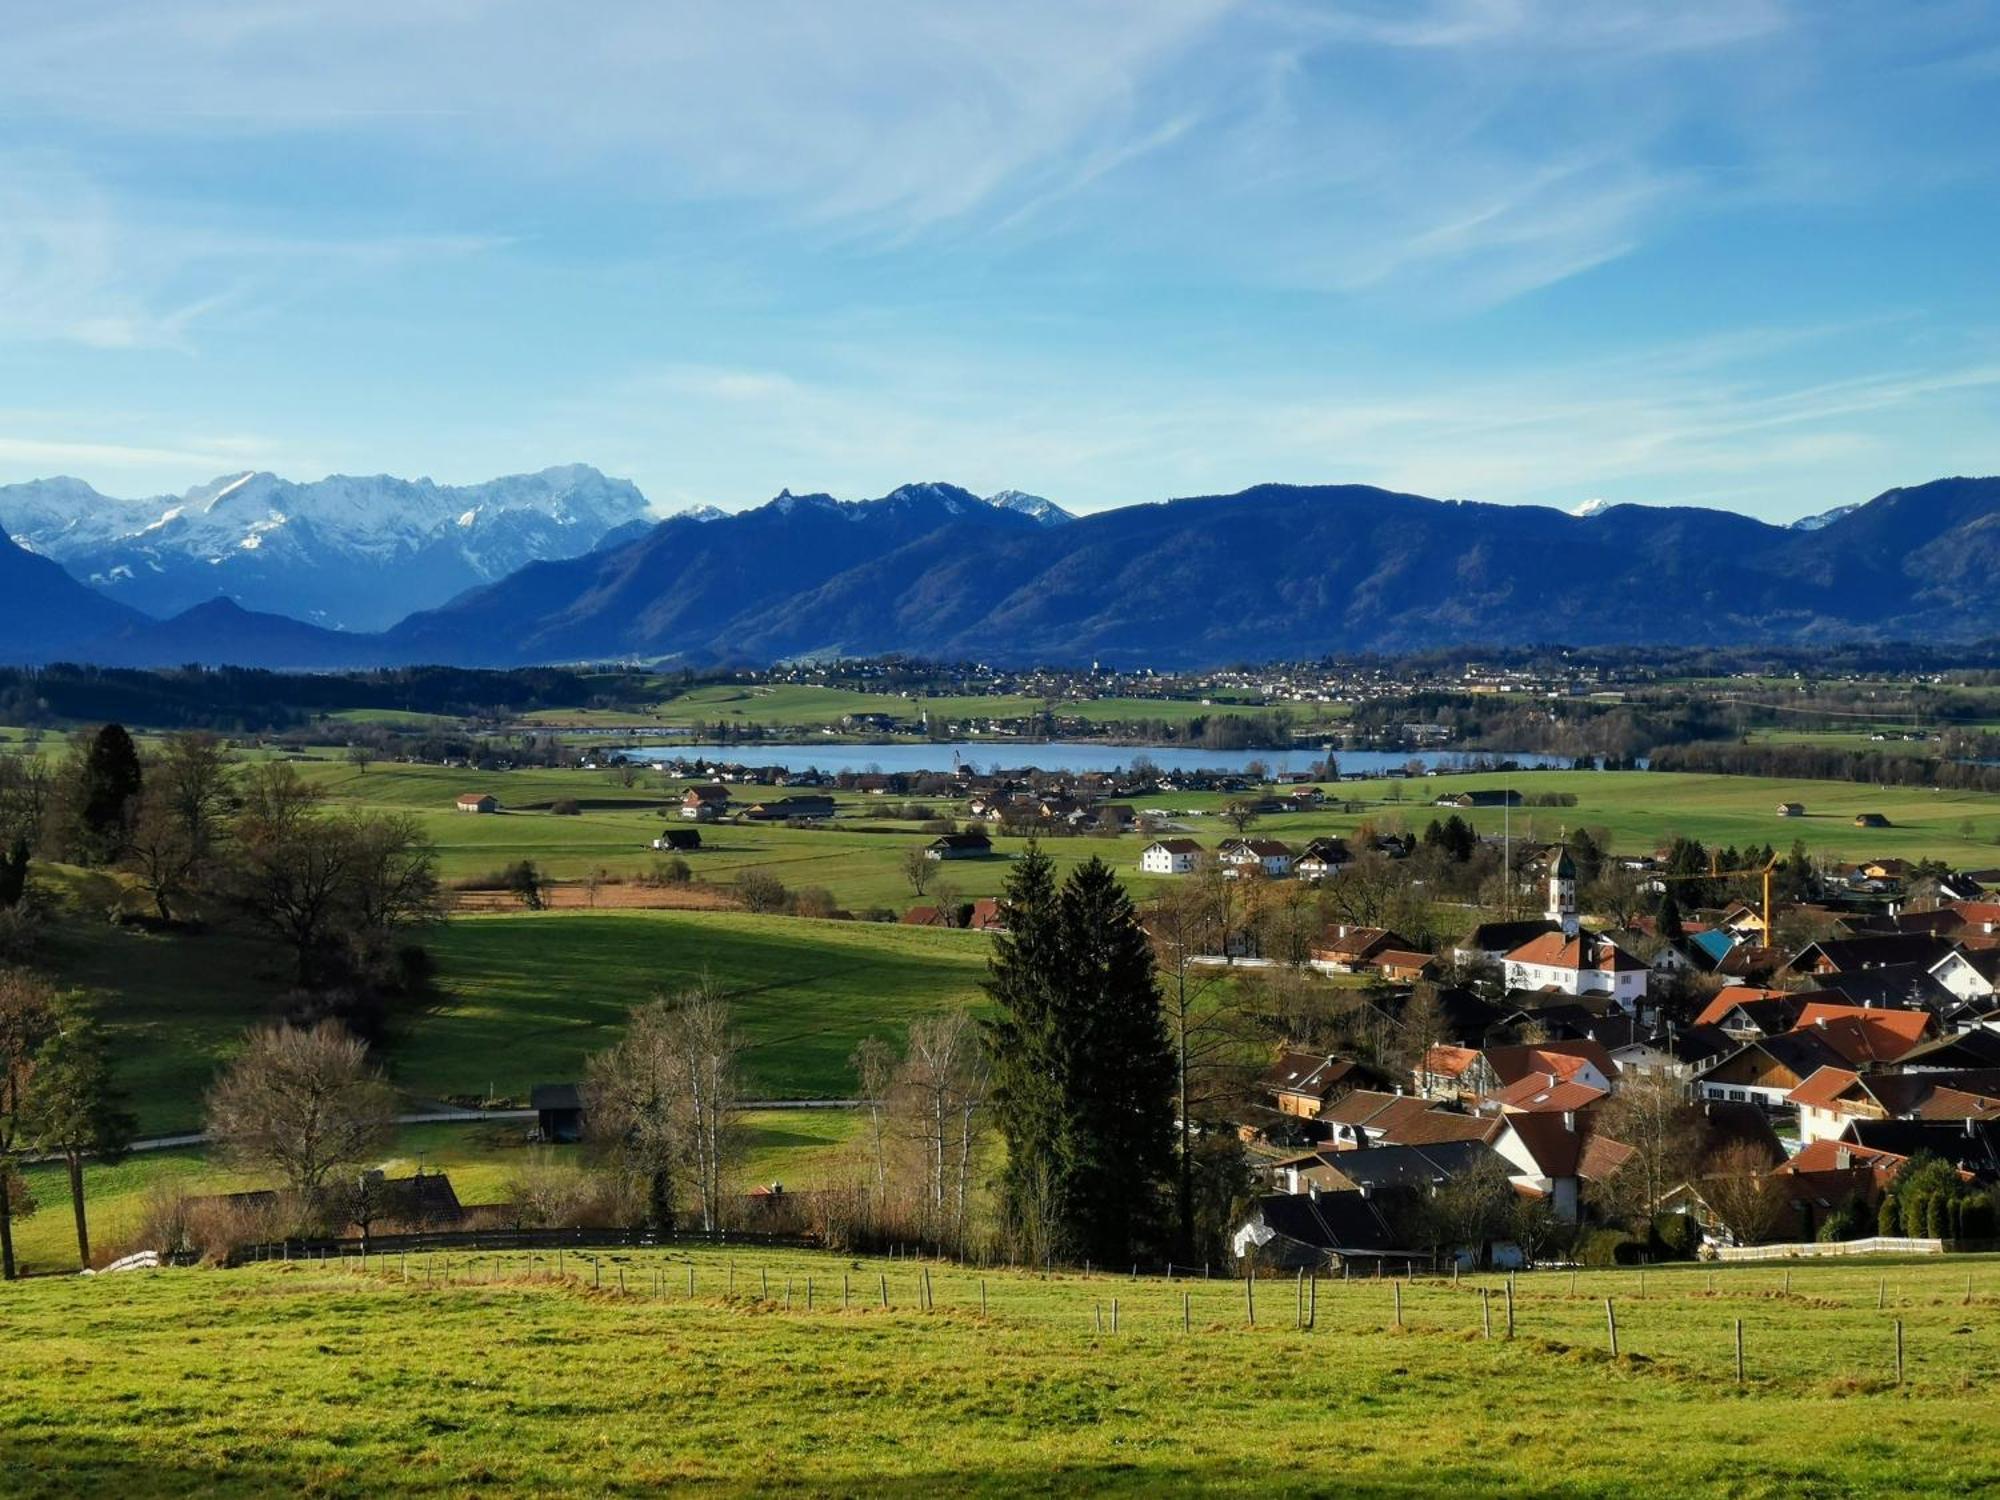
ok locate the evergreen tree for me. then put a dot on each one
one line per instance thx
(1082, 1068)
(110, 791)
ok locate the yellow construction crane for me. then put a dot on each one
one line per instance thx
(1714, 872)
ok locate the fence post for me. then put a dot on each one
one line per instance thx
(1312, 1300)
(982, 1296)
(1899, 1351)
(559, 1262)
(1250, 1299)
(1299, 1300)
(596, 1271)
(885, 1290)
(1097, 1315)
(788, 1294)
(765, 1272)
(1788, 1281)
(1739, 1351)
(843, 1291)
(809, 1294)
(1611, 1326)
(1187, 1312)
(690, 1278)
(621, 1281)
(1397, 1288)
(1510, 1307)
(1114, 1314)
(1486, 1310)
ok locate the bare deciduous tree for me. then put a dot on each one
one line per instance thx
(918, 867)
(27, 1021)
(662, 1103)
(1651, 1114)
(940, 1097)
(302, 1103)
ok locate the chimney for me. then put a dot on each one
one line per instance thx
(1843, 1158)
(1569, 1121)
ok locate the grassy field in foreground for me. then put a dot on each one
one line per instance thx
(531, 995)
(785, 1145)
(331, 1381)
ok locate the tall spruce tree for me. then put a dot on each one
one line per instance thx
(1083, 1071)
(110, 791)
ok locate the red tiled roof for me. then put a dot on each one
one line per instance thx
(1822, 1088)
(1728, 998)
(1540, 1093)
(1586, 951)
(1448, 1061)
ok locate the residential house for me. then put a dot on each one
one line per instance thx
(1485, 797)
(1972, 974)
(1269, 857)
(477, 802)
(1351, 950)
(1403, 965)
(1491, 942)
(987, 915)
(1791, 809)
(1170, 857)
(959, 846)
(1553, 1155)
(679, 840)
(1584, 964)
(1832, 1097)
(705, 803)
(1880, 950)
(1746, 1012)
(1765, 1071)
(1306, 1083)
(1322, 857)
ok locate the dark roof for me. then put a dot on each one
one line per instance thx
(1972, 1144)
(1700, 1044)
(1877, 950)
(1345, 1222)
(1909, 986)
(962, 841)
(1504, 937)
(1741, 1125)
(1978, 1048)
(426, 1196)
(556, 1096)
(1411, 1166)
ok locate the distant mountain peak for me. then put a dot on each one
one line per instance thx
(1824, 519)
(1034, 506)
(700, 513)
(1590, 508)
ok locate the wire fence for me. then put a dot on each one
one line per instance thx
(1845, 1328)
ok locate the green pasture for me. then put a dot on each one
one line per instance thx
(340, 1380)
(530, 996)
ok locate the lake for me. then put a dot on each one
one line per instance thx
(1067, 755)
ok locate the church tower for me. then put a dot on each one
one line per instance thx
(1562, 894)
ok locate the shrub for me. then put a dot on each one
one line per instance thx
(762, 891)
(566, 807)
(815, 901)
(1675, 1237)
(1888, 1218)
(675, 871)
(1609, 1247)
(1976, 1218)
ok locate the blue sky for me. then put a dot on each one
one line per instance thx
(1737, 254)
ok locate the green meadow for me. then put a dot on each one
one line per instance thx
(530, 996)
(493, 1375)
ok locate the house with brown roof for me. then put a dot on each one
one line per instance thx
(1580, 965)
(1834, 1097)
(1271, 858)
(1350, 950)
(705, 803)
(1554, 1155)
(1305, 1083)
(477, 802)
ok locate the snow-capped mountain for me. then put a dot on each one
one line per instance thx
(700, 513)
(357, 553)
(1590, 508)
(1046, 511)
(1824, 519)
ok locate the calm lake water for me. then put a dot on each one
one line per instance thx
(1064, 755)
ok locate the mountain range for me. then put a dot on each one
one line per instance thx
(352, 553)
(1271, 572)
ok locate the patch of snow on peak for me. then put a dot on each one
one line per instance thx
(1591, 508)
(1046, 511)
(468, 517)
(1824, 519)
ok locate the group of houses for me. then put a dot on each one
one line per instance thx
(1859, 1052)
